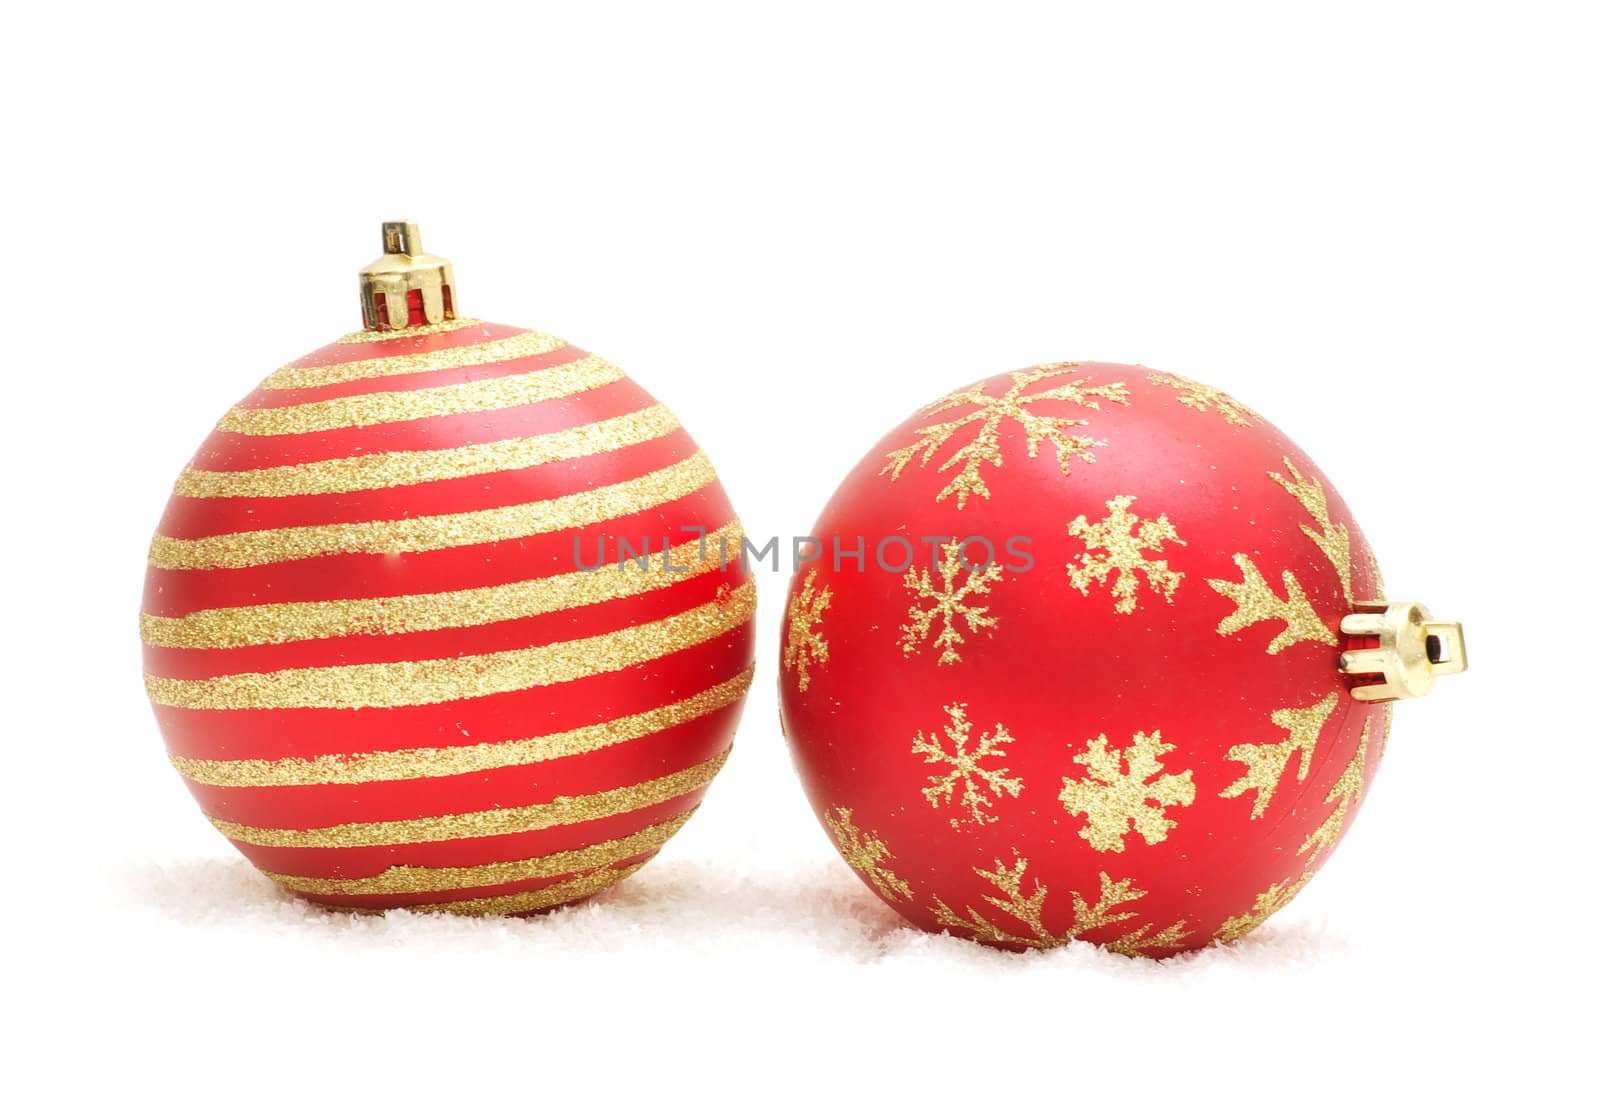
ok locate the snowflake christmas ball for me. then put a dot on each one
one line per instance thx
(376, 638)
(1069, 662)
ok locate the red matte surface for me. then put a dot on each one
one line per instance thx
(1063, 667)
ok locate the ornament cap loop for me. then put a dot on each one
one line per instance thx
(1411, 651)
(405, 285)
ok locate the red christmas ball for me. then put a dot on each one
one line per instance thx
(1067, 665)
(375, 639)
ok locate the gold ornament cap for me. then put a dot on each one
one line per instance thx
(387, 282)
(1412, 651)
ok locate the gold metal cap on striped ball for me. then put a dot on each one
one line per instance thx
(389, 282)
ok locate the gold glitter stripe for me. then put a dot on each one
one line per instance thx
(395, 406)
(426, 682)
(372, 335)
(432, 532)
(519, 346)
(412, 763)
(430, 879)
(414, 467)
(276, 623)
(571, 809)
(534, 900)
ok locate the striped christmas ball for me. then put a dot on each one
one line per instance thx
(439, 617)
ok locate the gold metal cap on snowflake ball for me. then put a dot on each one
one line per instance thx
(387, 282)
(1412, 651)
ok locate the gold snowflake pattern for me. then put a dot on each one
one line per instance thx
(1377, 575)
(1333, 541)
(1255, 602)
(866, 853)
(1266, 763)
(1117, 802)
(804, 643)
(947, 603)
(990, 412)
(979, 785)
(1112, 546)
(1145, 940)
(1344, 796)
(1268, 903)
(1027, 909)
(1203, 398)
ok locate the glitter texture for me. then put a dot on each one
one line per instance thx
(483, 395)
(1333, 541)
(990, 413)
(1111, 546)
(429, 879)
(866, 854)
(804, 643)
(414, 467)
(1203, 398)
(1027, 910)
(275, 623)
(949, 604)
(1377, 576)
(424, 682)
(1117, 802)
(1137, 943)
(979, 785)
(575, 809)
(534, 900)
(1266, 905)
(432, 532)
(413, 763)
(1343, 797)
(1255, 602)
(374, 335)
(520, 346)
(1267, 762)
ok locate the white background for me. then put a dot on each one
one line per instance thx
(1375, 223)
